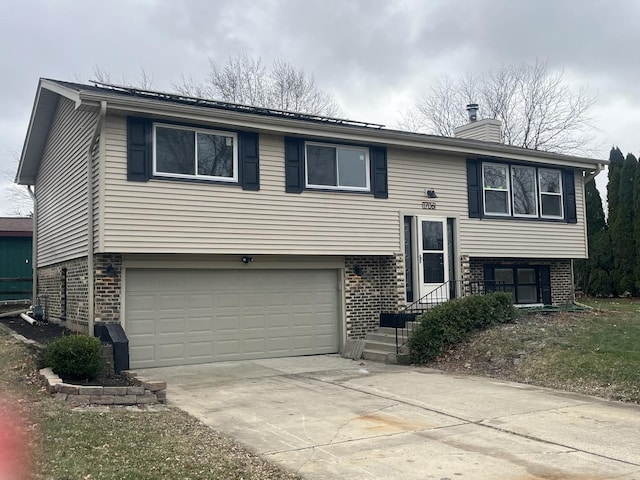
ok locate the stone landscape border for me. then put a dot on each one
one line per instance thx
(143, 392)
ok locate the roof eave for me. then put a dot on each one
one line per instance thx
(294, 126)
(49, 91)
(42, 113)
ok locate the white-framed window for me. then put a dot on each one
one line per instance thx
(496, 188)
(186, 152)
(550, 184)
(524, 191)
(337, 167)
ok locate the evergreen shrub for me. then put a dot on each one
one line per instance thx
(452, 322)
(74, 357)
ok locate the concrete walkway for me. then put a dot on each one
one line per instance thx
(327, 417)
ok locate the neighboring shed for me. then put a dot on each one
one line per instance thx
(15, 258)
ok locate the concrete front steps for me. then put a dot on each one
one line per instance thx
(380, 346)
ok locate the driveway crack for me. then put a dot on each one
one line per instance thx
(479, 423)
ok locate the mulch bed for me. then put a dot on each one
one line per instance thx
(42, 332)
(45, 333)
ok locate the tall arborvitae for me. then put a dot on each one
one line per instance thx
(616, 159)
(592, 275)
(595, 213)
(636, 224)
(622, 228)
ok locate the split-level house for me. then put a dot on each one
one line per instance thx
(213, 231)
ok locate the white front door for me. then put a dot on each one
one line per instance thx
(433, 259)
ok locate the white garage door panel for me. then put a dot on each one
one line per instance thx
(180, 317)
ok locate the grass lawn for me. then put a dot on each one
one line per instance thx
(115, 443)
(615, 304)
(595, 352)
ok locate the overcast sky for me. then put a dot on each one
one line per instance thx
(376, 57)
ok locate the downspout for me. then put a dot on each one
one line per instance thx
(90, 226)
(34, 247)
(589, 176)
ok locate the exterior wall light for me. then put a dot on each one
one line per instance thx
(110, 271)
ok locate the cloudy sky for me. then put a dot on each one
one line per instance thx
(375, 56)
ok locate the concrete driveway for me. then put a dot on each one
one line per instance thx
(327, 417)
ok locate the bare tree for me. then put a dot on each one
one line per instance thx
(537, 108)
(144, 80)
(243, 79)
(15, 197)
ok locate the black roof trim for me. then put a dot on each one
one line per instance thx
(203, 102)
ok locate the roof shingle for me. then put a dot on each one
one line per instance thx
(16, 226)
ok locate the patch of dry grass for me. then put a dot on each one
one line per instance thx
(595, 352)
(111, 443)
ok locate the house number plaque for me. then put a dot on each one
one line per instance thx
(428, 205)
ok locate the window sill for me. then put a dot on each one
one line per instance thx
(195, 180)
(337, 190)
(522, 219)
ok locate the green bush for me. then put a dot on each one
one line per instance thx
(452, 322)
(74, 356)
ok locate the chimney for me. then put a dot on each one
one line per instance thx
(472, 108)
(487, 129)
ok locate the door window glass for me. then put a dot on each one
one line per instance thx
(432, 238)
(433, 267)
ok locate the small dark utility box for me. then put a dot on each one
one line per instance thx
(113, 333)
(396, 320)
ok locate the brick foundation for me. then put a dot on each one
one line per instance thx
(69, 306)
(373, 284)
(107, 287)
(562, 289)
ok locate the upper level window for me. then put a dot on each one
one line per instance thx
(550, 193)
(194, 152)
(522, 191)
(525, 200)
(495, 179)
(337, 167)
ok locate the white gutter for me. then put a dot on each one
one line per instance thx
(34, 247)
(90, 226)
(589, 176)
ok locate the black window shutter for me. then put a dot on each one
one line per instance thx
(379, 172)
(489, 278)
(249, 168)
(569, 197)
(294, 164)
(138, 149)
(544, 272)
(474, 188)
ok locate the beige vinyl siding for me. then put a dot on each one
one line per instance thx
(522, 238)
(164, 216)
(487, 129)
(61, 186)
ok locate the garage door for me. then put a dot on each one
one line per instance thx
(182, 317)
